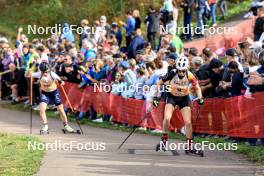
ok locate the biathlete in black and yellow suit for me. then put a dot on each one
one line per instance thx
(178, 96)
(50, 95)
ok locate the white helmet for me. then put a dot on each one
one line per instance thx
(182, 63)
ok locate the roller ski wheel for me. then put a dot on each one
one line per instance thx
(73, 132)
(41, 132)
(195, 152)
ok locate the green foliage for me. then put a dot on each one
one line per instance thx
(15, 13)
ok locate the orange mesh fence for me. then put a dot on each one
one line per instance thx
(237, 116)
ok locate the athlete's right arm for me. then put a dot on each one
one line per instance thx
(164, 79)
(30, 73)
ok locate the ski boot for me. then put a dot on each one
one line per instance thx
(191, 149)
(68, 129)
(44, 129)
(163, 143)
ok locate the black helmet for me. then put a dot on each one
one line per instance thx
(44, 66)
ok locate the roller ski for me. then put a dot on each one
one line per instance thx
(163, 144)
(191, 149)
(44, 129)
(67, 129)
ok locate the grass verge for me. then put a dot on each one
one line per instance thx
(252, 153)
(15, 158)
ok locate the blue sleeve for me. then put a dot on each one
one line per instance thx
(152, 80)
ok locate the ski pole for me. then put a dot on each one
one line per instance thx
(67, 99)
(31, 102)
(196, 120)
(133, 131)
(5, 72)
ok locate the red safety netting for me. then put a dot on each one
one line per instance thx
(238, 116)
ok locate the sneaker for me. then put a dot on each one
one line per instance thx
(156, 131)
(68, 128)
(44, 128)
(248, 15)
(142, 128)
(214, 25)
(98, 120)
(36, 108)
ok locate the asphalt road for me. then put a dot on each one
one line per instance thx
(112, 162)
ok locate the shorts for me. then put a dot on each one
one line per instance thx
(51, 97)
(182, 102)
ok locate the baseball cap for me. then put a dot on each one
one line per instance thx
(231, 52)
(124, 64)
(173, 56)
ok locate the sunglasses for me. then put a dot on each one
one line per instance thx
(181, 71)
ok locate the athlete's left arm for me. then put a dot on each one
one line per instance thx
(57, 78)
(195, 84)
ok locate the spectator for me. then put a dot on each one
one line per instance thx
(117, 32)
(138, 43)
(256, 80)
(152, 21)
(137, 18)
(67, 33)
(18, 83)
(150, 55)
(69, 71)
(223, 8)
(139, 95)
(8, 58)
(187, 18)
(26, 56)
(167, 12)
(216, 71)
(212, 4)
(200, 9)
(34, 57)
(128, 81)
(42, 54)
(21, 40)
(232, 55)
(203, 73)
(88, 49)
(105, 25)
(175, 14)
(236, 85)
(129, 26)
(85, 34)
(259, 24)
(176, 42)
(197, 62)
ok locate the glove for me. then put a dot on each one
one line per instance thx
(155, 102)
(200, 101)
(61, 82)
